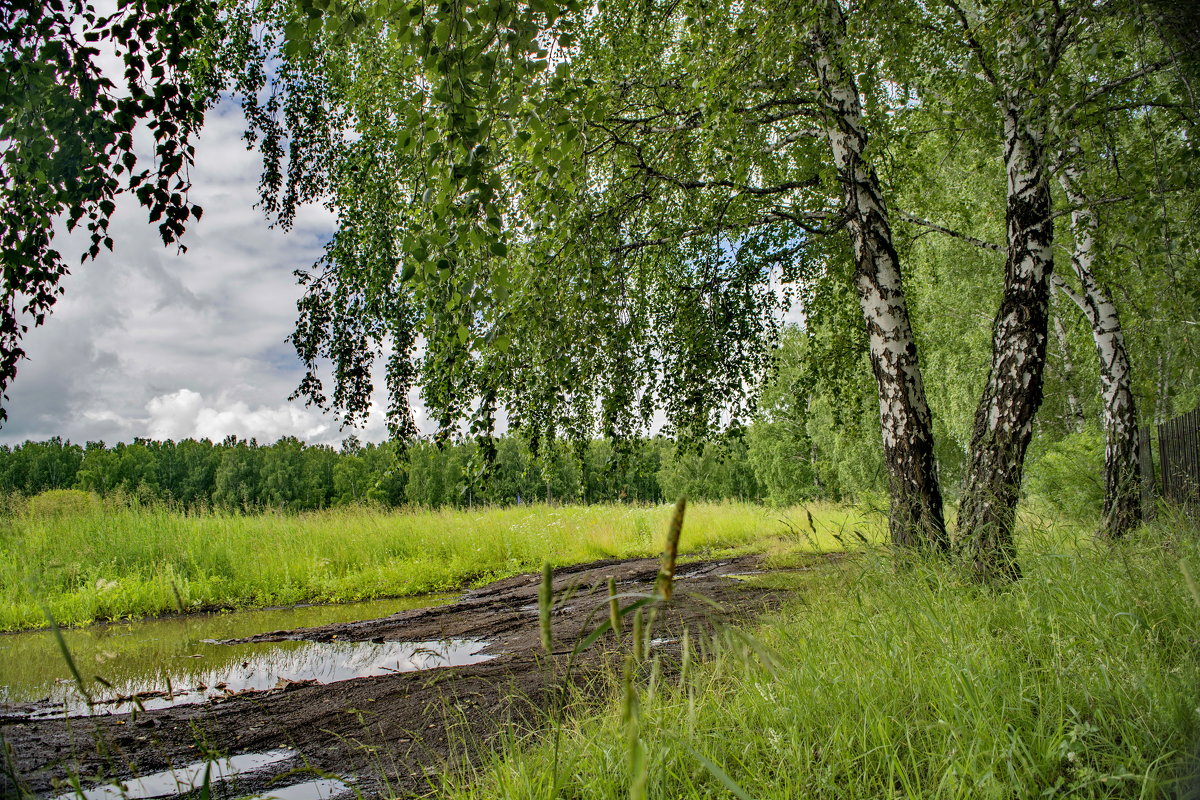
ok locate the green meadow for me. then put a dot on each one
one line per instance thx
(875, 679)
(82, 560)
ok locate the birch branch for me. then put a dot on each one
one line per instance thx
(986, 245)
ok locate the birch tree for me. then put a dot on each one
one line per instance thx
(1122, 470)
(1022, 53)
(652, 174)
(1115, 92)
(1038, 68)
(907, 425)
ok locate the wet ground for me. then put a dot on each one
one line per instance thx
(394, 730)
(179, 659)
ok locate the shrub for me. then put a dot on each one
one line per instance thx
(1069, 475)
(63, 503)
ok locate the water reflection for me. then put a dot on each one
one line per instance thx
(171, 655)
(220, 775)
(321, 789)
(183, 779)
(257, 667)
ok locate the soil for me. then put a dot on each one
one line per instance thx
(393, 734)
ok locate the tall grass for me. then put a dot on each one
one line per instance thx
(88, 561)
(1082, 680)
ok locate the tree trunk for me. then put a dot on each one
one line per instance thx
(1122, 471)
(1013, 392)
(1075, 418)
(1162, 386)
(916, 519)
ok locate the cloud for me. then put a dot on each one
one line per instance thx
(186, 414)
(149, 341)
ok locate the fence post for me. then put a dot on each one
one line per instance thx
(1166, 459)
(1192, 443)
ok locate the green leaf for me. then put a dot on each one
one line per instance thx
(295, 29)
(441, 34)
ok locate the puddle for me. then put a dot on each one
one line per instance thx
(184, 779)
(311, 790)
(262, 666)
(741, 576)
(146, 654)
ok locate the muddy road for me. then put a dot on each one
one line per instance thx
(389, 734)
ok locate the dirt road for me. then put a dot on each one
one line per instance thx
(393, 733)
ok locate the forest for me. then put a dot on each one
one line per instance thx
(868, 312)
(794, 450)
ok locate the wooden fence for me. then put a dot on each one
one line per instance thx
(1179, 458)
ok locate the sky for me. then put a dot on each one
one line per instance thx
(148, 342)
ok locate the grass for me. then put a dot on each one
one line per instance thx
(85, 561)
(1082, 680)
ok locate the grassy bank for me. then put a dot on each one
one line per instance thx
(90, 561)
(1083, 680)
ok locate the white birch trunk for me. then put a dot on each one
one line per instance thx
(916, 518)
(1162, 386)
(1013, 393)
(1122, 471)
(1075, 418)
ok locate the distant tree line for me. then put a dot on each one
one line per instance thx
(294, 476)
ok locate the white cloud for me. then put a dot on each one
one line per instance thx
(173, 416)
(150, 342)
(185, 414)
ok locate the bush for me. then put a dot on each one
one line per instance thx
(63, 503)
(1068, 475)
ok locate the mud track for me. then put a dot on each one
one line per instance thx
(393, 734)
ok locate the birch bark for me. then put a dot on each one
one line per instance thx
(1075, 419)
(1013, 392)
(1122, 471)
(916, 518)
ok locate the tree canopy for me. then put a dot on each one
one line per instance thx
(570, 219)
(577, 218)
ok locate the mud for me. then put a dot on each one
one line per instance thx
(388, 734)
